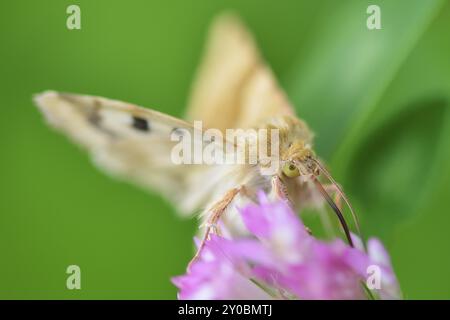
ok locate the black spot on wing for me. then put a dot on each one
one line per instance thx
(141, 124)
(94, 118)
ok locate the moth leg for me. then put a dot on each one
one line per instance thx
(216, 211)
(279, 190)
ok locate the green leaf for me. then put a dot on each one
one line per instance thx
(345, 68)
(391, 165)
(340, 82)
(389, 171)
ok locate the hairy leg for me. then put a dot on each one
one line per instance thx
(215, 213)
(279, 190)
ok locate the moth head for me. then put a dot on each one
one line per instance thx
(298, 160)
(295, 149)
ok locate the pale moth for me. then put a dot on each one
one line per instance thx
(234, 89)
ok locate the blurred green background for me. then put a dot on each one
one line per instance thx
(378, 101)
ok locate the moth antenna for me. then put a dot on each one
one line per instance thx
(336, 210)
(342, 194)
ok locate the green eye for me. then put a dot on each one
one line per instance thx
(290, 170)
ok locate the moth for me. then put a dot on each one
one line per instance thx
(234, 88)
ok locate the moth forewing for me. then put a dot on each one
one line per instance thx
(124, 140)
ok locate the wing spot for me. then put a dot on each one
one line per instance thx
(94, 118)
(140, 124)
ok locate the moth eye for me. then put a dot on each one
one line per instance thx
(290, 170)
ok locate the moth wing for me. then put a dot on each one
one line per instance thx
(126, 141)
(234, 88)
